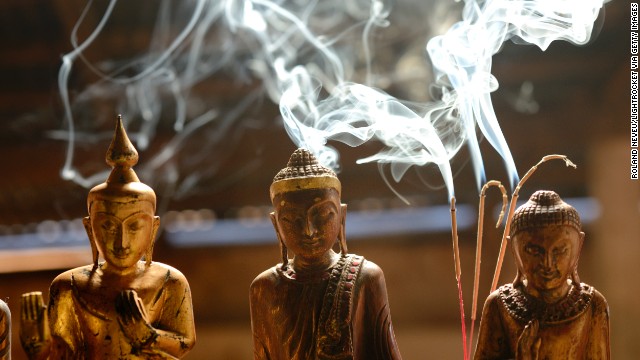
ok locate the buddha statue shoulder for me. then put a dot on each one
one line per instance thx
(319, 304)
(546, 313)
(123, 306)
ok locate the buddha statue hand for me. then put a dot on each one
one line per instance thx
(529, 342)
(34, 326)
(132, 318)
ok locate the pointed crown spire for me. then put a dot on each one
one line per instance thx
(123, 184)
(122, 156)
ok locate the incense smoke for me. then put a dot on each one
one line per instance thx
(316, 60)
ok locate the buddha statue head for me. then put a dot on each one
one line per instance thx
(121, 224)
(308, 216)
(546, 243)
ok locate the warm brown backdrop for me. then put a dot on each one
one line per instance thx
(584, 113)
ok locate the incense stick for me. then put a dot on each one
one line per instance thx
(456, 258)
(476, 280)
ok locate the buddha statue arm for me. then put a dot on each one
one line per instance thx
(173, 334)
(259, 296)
(373, 327)
(598, 346)
(492, 339)
(66, 336)
(260, 350)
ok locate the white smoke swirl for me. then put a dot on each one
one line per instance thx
(308, 55)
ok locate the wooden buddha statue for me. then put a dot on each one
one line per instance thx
(319, 304)
(546, 313)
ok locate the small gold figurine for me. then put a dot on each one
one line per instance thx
(122, 308)
(320, 304)
(5, 331)
(546, 313)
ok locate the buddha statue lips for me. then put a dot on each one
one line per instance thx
(549, 275)
(311, 240)
(548, 280)
(121, 253)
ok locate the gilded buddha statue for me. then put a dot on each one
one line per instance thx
(319, 304)
(123, 307)
(546, 313)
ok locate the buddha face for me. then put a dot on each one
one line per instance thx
(308, 221)
(123, 231)
(547, 255)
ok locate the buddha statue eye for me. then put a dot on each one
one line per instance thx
(288, 219)
(292, 221)
(323, 213)
(109, 226)
(560, 251)
(533, 250)
(134, 226)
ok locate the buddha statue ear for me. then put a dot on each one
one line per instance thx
(149, 253)
(517, 281)
(342, 238)
(283, 247)
(86, 221)
(574, 275)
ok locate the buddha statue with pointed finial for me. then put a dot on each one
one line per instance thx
(123, 307)
(546, 313)
(319, 304)
(5, 331)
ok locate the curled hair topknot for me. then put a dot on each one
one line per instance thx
(303, 163)
(544, 208)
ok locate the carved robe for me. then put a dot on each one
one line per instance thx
(83, 319)
(342, 313)
(576, 327)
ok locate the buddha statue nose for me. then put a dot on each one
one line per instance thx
(549, 260)
(121, 240)
(309, 228)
